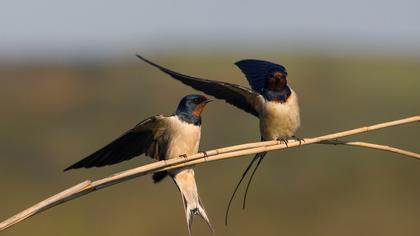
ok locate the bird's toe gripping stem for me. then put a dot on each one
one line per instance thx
(300, 140)
(183, 155)
(284, 140)
(205, 155)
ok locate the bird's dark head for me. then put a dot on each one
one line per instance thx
(190, 108)
(267, 78)
(276, 79)
(263, 75)
(276, 88)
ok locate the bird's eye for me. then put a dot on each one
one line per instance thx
(196, 100)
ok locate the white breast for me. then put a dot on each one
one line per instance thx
(184, 138)
(279, 120)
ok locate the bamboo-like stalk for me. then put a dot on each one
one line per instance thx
(213, 155)
(373, 146)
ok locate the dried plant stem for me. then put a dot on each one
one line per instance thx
(213, 155)
(373, 146)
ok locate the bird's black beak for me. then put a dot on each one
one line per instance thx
(207, 101)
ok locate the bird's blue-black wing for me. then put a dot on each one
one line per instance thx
(141, 139)
(239, 96)
(256, 71)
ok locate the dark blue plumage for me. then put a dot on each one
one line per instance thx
(280, 96)
(162, 138)
(188, 108)
(234, 94)
(270, 99)
(140, 139)
(256, 72)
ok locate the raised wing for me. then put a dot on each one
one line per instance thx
(239, 96)
(256, 71)
(146, 137)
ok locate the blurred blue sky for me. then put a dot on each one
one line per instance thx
(46, 28)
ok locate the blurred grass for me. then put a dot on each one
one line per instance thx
(53, 115)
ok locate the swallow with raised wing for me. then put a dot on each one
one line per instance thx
(162, 137)
(270, 98)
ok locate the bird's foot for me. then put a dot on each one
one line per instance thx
(183, 155)
(284, 140)
(205, 155)
(300, 140)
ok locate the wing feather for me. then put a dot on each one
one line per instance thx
(143, 138)
(239, 96)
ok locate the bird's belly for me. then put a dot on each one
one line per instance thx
(184, 139)
(279, 120)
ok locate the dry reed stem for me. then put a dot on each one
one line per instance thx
(373, 146)
(213, 155)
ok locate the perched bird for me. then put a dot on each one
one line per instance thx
(270, 98)
(162, 137)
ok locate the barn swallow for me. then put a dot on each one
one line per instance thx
(271, 99)
(162, 137)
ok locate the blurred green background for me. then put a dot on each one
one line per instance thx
(53, 115)
(70, 83)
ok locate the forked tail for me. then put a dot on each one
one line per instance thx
(191, 210)
(190, 198)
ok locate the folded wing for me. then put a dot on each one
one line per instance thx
(239, 96)
(145, 138)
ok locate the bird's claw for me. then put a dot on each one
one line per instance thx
(205, 155)
(183, 155)
(284, 140)
(300, 140)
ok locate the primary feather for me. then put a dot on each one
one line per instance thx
(239, 96)
(142, 139)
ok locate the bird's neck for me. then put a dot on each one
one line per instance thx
(277, 95)
(188, 117)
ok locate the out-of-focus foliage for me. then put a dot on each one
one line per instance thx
(52, 116)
